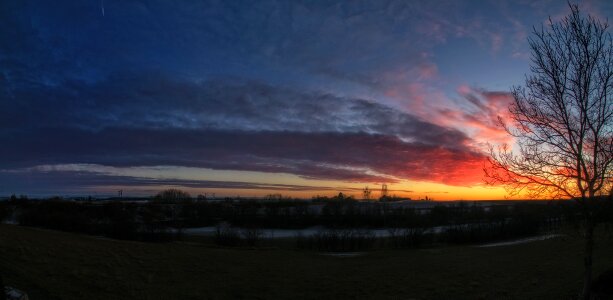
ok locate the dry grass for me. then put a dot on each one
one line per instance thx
(56, 265)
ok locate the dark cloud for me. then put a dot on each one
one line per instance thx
(340, 156)
(41, 182)
(165, 83)
(372, 43)
(157, 101)
(147, 119)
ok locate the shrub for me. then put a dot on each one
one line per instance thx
(5, 211)
(252, 235)
(486, 232)
(603, 285)
(337, 240)
(172, 196)
(226, 235)
(406, 237)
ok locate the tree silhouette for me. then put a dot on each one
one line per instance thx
(2, 289)
(172, 196)
(562, 121)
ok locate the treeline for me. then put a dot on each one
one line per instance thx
(119, 220)
(163, 217)
(350, 214)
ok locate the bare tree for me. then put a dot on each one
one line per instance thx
(562, 121)
(2, 289)
(172, 196)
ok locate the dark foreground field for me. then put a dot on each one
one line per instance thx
(55, 265)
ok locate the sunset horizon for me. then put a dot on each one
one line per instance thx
(306, 99)
(306, 149)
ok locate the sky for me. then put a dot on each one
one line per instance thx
(250, 98)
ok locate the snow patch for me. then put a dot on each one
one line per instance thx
(521, 241)
(343, 254)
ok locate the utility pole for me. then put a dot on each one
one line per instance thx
(383, 190)
(366, 193)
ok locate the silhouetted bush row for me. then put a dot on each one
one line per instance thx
(162, 219)
(120, 220)
(5, 211)
(227, 235)
(341, 240)
(488, 232)
(337, 240)
(351, 214)
(408, 237)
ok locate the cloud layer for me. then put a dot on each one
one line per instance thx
(369, 92)
(153, 120)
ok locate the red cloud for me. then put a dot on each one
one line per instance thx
(358, 157)
(442, 165)
(481, 116)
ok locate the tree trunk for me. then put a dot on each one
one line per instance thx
(2, 290)
(587, 258)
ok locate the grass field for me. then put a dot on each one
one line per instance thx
(57, 265)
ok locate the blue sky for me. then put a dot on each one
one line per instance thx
(237, 96)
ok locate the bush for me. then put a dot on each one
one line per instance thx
(120, 220)
(155, 220)
(5, 211)
(337, 240)
(252, 235)
(602, 287)
(226, 235)
(172, 196)
(487, 232)
(406, 237)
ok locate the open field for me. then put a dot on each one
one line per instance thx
(56, 265)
